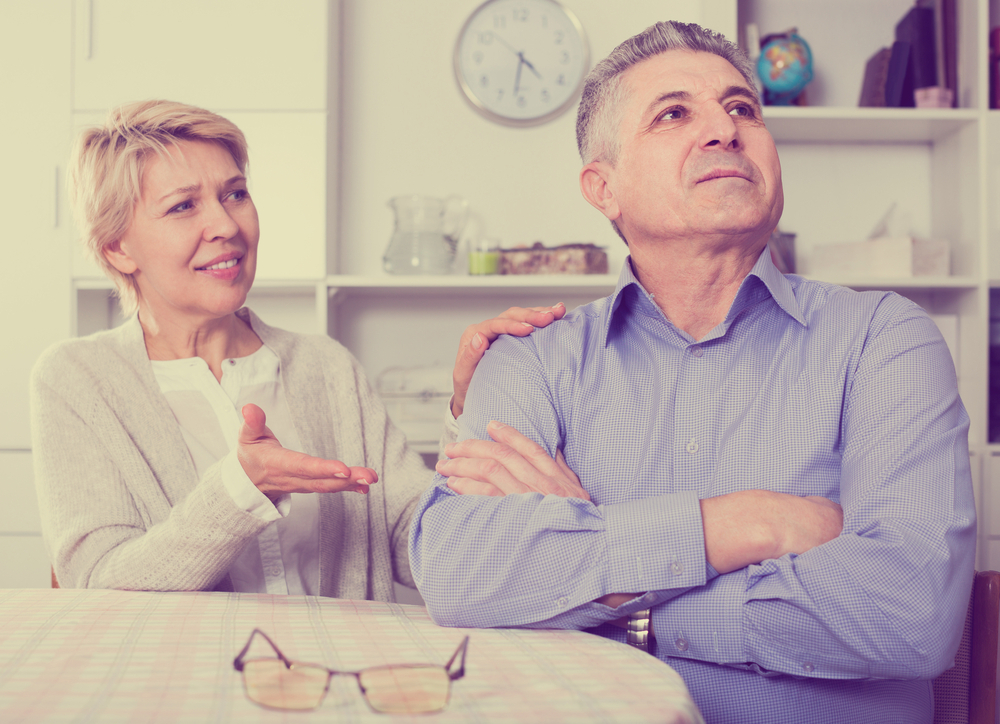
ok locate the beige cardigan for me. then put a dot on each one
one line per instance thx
(120, 501)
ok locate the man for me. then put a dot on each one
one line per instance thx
(718, 414)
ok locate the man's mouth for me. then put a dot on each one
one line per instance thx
(723, 173)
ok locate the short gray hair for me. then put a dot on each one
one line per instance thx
(598, 120)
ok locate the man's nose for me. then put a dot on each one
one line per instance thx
(719, 129)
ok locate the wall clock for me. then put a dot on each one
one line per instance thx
(521, 62)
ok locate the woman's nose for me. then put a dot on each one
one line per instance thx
(219, 223)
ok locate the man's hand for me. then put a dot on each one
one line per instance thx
(276, 470)
(750, 526)
(511, 464)
(476, 339)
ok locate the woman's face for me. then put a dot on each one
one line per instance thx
(192, 244)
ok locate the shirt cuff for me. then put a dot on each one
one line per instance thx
(706, 623)
(450, 422)
(655, 544)
(247, 496)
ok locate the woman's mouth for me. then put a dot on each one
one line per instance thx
(220, 265)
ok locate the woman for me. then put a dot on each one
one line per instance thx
(147, 476)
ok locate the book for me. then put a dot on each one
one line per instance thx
(873, 85)
(896, 75)
(917, 29)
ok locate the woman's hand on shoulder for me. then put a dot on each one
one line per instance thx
(276, 470)
(518, 321)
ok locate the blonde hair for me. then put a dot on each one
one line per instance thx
(107, 165)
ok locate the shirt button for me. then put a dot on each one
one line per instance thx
(232, 363)
(681, 645)
(275, 571)
(563, 601)
(677, 568)
(808, 667)
(696, 350)
(692, 447)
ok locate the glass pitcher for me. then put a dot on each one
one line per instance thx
(426, 234)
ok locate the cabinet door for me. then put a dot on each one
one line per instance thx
(288, 167)
(34, 121)
(223, 54)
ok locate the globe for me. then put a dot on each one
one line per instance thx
(784, 67)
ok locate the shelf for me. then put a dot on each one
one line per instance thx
(953, 282)
(461, 282)
(793, 124)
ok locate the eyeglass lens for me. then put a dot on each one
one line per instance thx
(388, 689)
(270, 683)
(406, 689)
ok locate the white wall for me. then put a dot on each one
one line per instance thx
(407, 129)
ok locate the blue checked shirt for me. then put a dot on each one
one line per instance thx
(804, 388)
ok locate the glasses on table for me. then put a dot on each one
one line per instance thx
(279, 683)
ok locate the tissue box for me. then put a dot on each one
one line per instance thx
(565, 259)
(886, 258)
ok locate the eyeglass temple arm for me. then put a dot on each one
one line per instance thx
(462, 648)
(238, 661)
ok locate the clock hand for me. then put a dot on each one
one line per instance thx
(530, 66)
(506, 44)
(517, 78)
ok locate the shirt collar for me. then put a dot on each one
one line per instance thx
(776, 284)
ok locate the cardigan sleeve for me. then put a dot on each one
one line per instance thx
(107, 520)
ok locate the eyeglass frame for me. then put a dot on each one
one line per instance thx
(239, 662)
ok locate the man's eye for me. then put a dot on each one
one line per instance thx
(741, 110)
(672, 114)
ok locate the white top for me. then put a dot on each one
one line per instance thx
(285, 557)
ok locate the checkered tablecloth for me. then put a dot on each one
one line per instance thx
(120, 656)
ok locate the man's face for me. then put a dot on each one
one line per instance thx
(696, 159)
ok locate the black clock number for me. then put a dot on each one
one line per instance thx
(519, 15)
(484, 81)
(499, 22)
(564, 58)
(560, 79)
(521, 101)
(559, 35)
(545, 95)
(486, 38)
(478, 57)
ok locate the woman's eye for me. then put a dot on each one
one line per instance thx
(183, 206)
(239, 195)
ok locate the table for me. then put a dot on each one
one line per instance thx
(123, 656)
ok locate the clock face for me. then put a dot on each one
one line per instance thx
(521, 62)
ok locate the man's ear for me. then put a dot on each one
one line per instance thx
(595, 180)
(119, 258)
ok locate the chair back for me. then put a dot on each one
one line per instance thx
(966, 693)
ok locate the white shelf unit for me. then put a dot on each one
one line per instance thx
(366, 127)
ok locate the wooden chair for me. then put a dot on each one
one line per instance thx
(966, 694)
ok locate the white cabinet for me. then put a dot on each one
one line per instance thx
(222, 54)
(34, 288)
